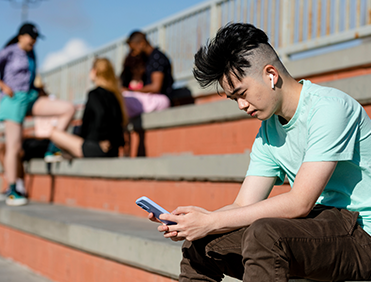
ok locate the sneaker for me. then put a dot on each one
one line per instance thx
(19, 186)
(53, 154)
(51, 157)
(15, 199)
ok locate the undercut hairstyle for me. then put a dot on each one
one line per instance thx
(238, 50)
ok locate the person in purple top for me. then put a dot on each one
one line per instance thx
(20, 97)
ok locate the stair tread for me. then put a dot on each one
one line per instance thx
(128, 239)
(13, 272)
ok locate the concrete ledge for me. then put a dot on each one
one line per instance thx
(358, 87)
(14, 272)
(126, 239)
(130, 240)
(231, 168)
(332, 61)
(219, 111)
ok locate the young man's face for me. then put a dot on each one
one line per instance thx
(137, 47)
(253, 95)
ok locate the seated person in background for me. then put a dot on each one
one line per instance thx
(103, 120)
(157, 78)
(133, 73)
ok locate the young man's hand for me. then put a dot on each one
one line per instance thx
(152, 217)
(192, 223)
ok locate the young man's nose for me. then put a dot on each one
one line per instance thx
(242, 104)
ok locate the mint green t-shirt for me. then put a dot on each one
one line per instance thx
(328, 125)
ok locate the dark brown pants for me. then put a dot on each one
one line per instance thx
(327, 245)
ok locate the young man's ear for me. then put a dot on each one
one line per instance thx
(272, 74)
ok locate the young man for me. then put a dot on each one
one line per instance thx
(320, 138)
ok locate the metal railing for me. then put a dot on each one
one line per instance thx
(293, 26)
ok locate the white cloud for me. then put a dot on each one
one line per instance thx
(73, 49)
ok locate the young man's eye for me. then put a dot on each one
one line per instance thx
(242, 94)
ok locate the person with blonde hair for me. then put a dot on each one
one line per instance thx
(103, 120)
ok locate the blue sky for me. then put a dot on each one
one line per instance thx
(86, 23)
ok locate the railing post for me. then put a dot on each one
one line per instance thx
(285, 28)
(64, 82)
(162, 37)
(120, 55)
(214, 19)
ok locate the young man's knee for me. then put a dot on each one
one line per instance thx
(200, 248)
(264, 231)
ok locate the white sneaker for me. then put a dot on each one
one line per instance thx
(53, 157)
(16, 199)
(19, 186)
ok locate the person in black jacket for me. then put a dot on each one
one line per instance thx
(103, 120)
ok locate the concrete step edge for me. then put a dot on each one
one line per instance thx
(126, 239)
(228, 168)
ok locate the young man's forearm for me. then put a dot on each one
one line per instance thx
(233, 217)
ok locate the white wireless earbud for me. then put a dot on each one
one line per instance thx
(272, 80)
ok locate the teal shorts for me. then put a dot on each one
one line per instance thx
(16, 107)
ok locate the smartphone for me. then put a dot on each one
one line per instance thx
(150, 206)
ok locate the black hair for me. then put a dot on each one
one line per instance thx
(136, 35)
(12, 41)
(133, 66)
(227, 53)
(26, 28)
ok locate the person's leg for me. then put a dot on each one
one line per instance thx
(20, 174)
(13, 133)
(63, 110)
(328, 245)
(13, 141)
(133, 106)
(21, 189)
(69, 142)
(146, 102)
(2, 153)
(209, 258)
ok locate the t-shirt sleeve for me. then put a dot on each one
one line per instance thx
(262, 163)
(333, 126)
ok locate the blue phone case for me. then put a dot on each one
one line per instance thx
(150, 206)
